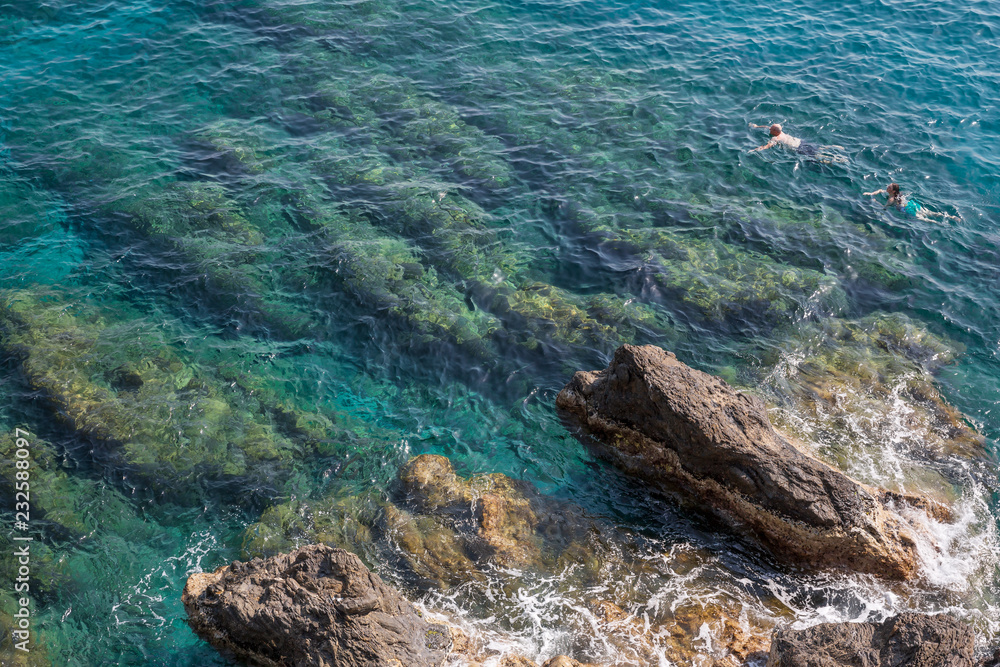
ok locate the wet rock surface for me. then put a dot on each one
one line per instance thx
(906, 640)
(563, 661)
(681, 640)
(658, 418)
(314, 606)
(446, 532)
(991, 661)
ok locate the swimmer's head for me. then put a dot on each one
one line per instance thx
(892, 189)
(775, 130)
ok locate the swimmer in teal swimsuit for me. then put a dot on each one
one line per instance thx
(909, 206)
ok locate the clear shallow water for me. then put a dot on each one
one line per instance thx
(416, 221)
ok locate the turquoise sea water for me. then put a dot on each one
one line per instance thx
(258, 254)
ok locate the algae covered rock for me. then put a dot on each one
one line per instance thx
(469, 245)
(906, 640)
(10, 654)
(721, 281)
(314, 606)
(491, 515)
(417, 126)
(151, 402)
(537, 313)
(381, 271)
(337, 520)
(443, 529)
(55, 493)
(114, 385)
(662, 420)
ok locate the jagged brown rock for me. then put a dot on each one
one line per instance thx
(657, 417)
(316, 606)
(907, 640)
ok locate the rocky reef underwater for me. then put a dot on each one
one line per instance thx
(394, 333)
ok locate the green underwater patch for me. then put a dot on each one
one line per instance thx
(722, 281)
(411, 126)
(165, 413)
(869, 379)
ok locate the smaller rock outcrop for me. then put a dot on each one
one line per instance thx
(498, 510)
(907, 640)
(658, 418)
(316, 606)
(682, 639)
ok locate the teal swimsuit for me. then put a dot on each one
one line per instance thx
(911, 208)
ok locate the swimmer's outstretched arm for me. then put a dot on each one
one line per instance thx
(872, 194)
(769, 144)
(760, 127)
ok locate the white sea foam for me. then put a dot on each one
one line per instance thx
(139, 604)
(541, 616)
(952, 555)
(882, 440)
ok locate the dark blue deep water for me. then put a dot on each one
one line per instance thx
(257, 254)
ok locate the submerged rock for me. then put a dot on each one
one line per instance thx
(907, 640)
(681, 640)
(314, 606)
(870, 379)
(721, 281)
(37, 654)
(167, 410)
(497, 508)
(658, 418)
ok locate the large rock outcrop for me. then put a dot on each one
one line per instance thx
(907, 640)
(658, 418)
(316, 606)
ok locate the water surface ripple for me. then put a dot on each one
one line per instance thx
(257, 254)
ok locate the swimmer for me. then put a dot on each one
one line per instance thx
(909, 206)
(822, 153)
